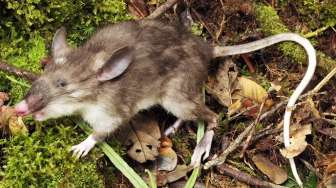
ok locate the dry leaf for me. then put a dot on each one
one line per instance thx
(144, 135)
(3, 98)
(234, 107)
(297, 141)
(251, 90)
(330, 181)
(225, 83)
(179, 172)
(9, 120)
(316, 113)
(328, 164)
(167, 156)
(272, 171)
(16, 126)
(275, 87)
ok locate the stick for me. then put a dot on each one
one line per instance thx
(17, 71)
(324, 81)
(163, 8)
(244, 177)
(249, 137)
(236, 143)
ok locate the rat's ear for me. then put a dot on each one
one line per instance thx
(60, 47)
(116, 64)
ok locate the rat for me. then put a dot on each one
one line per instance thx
(125, 68)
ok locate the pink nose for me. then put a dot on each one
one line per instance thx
(21, 108)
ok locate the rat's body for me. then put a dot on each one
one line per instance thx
(168, 68)
(123, 69)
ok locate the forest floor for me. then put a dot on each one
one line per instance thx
(276, 69)
(249, 92)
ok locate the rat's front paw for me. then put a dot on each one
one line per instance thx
(202, 149)
(84, 147)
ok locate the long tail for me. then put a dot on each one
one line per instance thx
(257, 45)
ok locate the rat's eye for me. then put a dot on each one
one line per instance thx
(60, 83)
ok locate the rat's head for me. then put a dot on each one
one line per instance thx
(72, 79)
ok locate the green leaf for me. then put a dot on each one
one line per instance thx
(118, 162)
(152, 179)
(192, 179)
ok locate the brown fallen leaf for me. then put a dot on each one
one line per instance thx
(225, 83)
(297, 141)
(313, 109)
(329, 162)
(330, 181)
(143, 134)
(272, 171)
(328, 167)
(234, 107)
(168, 177)
(275, 86)
(251, 90)
(10, 121)
(167, 159)
(3, 98)
(16, 126)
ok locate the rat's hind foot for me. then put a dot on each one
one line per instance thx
(84, 147)
(202, 149)
(172, 129)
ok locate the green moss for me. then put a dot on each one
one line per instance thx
(316, 13)
(26, 30)
(43, 160)
(271, 24)
(197, 29)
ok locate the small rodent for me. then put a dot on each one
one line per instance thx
(125, 68)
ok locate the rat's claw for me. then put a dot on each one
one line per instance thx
(202, 149)
(83, 148)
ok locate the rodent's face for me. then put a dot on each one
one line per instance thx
(71, 79)
(57, 92)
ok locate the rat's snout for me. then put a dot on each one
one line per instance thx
(31, 104)
(22, 108)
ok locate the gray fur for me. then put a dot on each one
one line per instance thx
(169, 68)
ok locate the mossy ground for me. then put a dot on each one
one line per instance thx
(42, 159)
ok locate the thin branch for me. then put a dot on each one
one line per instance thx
(244, 177)
(324, 81)
(236, 143)
(317, 32)
(17, 71)
(163, 8)
(249, 137)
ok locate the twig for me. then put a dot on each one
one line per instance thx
(324, 81)
(317, 32)
(330, 121)
(311, 168)
(234, 145)
(163, 8)
(244, 177)
(221, 159)
(17, 71)
(199, 17)
(249, 137)
(264, 133)
(248, 62)
(242, 112)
